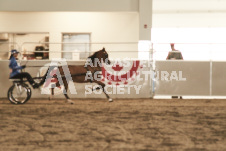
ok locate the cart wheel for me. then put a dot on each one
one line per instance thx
(19, 93)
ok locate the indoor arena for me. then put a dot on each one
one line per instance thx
(113, 75)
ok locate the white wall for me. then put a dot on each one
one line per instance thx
(104, 27)
(163, 6)
(4, 48)
(189, 13)
(188, 20)
(145, 17)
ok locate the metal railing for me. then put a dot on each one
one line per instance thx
(192, 51)
(56, 49)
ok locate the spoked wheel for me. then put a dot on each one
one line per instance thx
(19, 93)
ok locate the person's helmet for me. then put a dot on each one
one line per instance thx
(171, 44)
(14, 51)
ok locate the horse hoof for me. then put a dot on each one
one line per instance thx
(110, 100)
(70, 102)
(50, 98)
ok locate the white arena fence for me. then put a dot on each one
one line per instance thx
(189, 77)
(203, 71)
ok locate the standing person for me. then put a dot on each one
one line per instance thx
(15, 70)
(174, 55)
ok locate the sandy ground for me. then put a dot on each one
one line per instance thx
(145, 124)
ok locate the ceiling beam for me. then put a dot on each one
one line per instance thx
(70, 5)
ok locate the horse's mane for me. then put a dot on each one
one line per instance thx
(93, 56)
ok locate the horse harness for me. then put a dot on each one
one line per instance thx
(80, 74)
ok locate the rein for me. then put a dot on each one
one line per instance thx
(63, 76)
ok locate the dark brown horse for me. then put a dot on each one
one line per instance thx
(78, 73)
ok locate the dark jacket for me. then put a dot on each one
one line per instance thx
(174, 55)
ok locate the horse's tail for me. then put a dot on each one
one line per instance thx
(46, 76)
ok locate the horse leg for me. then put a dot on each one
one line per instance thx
(109, 99)
(97, 88)
(103, 88)
(68, 100)
(52, 93)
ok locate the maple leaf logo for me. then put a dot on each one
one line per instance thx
(117, 67)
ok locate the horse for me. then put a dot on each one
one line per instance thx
(79, 73)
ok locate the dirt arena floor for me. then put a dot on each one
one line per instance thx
(145, 124)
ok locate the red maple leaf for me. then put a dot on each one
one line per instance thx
(117, 67)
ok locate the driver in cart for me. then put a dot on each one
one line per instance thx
(16, 70)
